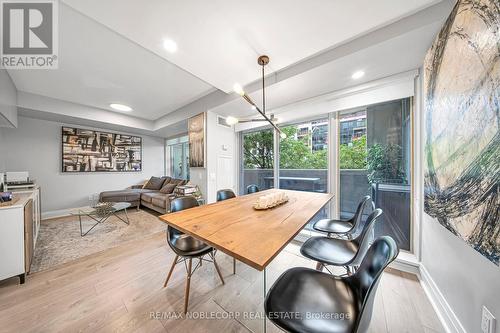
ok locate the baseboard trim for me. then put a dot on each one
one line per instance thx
(56, 213)
(444, 311)
(404, 265)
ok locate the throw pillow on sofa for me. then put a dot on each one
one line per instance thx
(154, 183)
(178, 181)
(168, 188)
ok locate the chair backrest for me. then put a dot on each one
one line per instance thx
(252, 189)
(182, 203)
(365, 238)
(358, 215)
(225, 194)
(176, 205)
(365, 281)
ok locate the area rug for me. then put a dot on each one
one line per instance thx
(59, 240)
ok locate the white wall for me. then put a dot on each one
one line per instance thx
(35, 146)
(8, 100)
(198, 176)
(466, 279)
(221, 146)
(2, 153)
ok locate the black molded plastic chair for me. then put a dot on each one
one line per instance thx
(225, 194)
(187, 247)
(341, 252)
(342, 228)
(252, 189)
(305, 300)
(221, 196)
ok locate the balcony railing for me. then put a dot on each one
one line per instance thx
(394, 199)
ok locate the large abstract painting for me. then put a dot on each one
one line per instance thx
(462, 120)
(196, 126)
(92, 151)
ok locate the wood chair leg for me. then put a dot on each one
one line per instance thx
(217, 269)
(234, 265)
(170, 271)
(319, 266)
(188, 283)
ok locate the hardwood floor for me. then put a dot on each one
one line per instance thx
(120, 290)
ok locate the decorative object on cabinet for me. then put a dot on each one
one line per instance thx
(19, 180)
(5, 196)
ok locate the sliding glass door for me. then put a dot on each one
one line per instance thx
(258, 159)
(303, 157)
(178, 157)
(374, 159)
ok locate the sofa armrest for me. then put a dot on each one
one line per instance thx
(168, 200)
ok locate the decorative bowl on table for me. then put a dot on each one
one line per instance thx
(103, 208)
(270, 200)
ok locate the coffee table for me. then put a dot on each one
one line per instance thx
(101, 213)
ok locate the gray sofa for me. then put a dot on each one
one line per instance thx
(156, 194)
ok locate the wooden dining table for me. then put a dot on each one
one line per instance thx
(254, 237)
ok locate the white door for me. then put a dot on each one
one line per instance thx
(225, 172)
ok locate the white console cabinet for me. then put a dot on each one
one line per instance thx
(19, 224)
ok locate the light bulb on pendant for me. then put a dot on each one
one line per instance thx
(232, 121)
(283, 135)
(238, 89)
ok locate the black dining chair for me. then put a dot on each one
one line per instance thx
(225, 195)
(187, 248)
(305, 300)
(347, 253)
(343, 228)
(252, 189)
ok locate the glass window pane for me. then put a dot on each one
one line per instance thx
(178, 155)
(375, 160)
(258, 159)
(303, 159)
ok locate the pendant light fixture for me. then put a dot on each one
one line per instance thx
(263, 60)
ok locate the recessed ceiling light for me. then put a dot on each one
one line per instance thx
(358, 75)
(120, 107)
(170, 45)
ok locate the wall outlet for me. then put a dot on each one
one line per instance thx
(488, 322)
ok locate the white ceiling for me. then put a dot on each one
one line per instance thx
(97, 67)
(219, 41)
(111, 52)
(389, 57)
